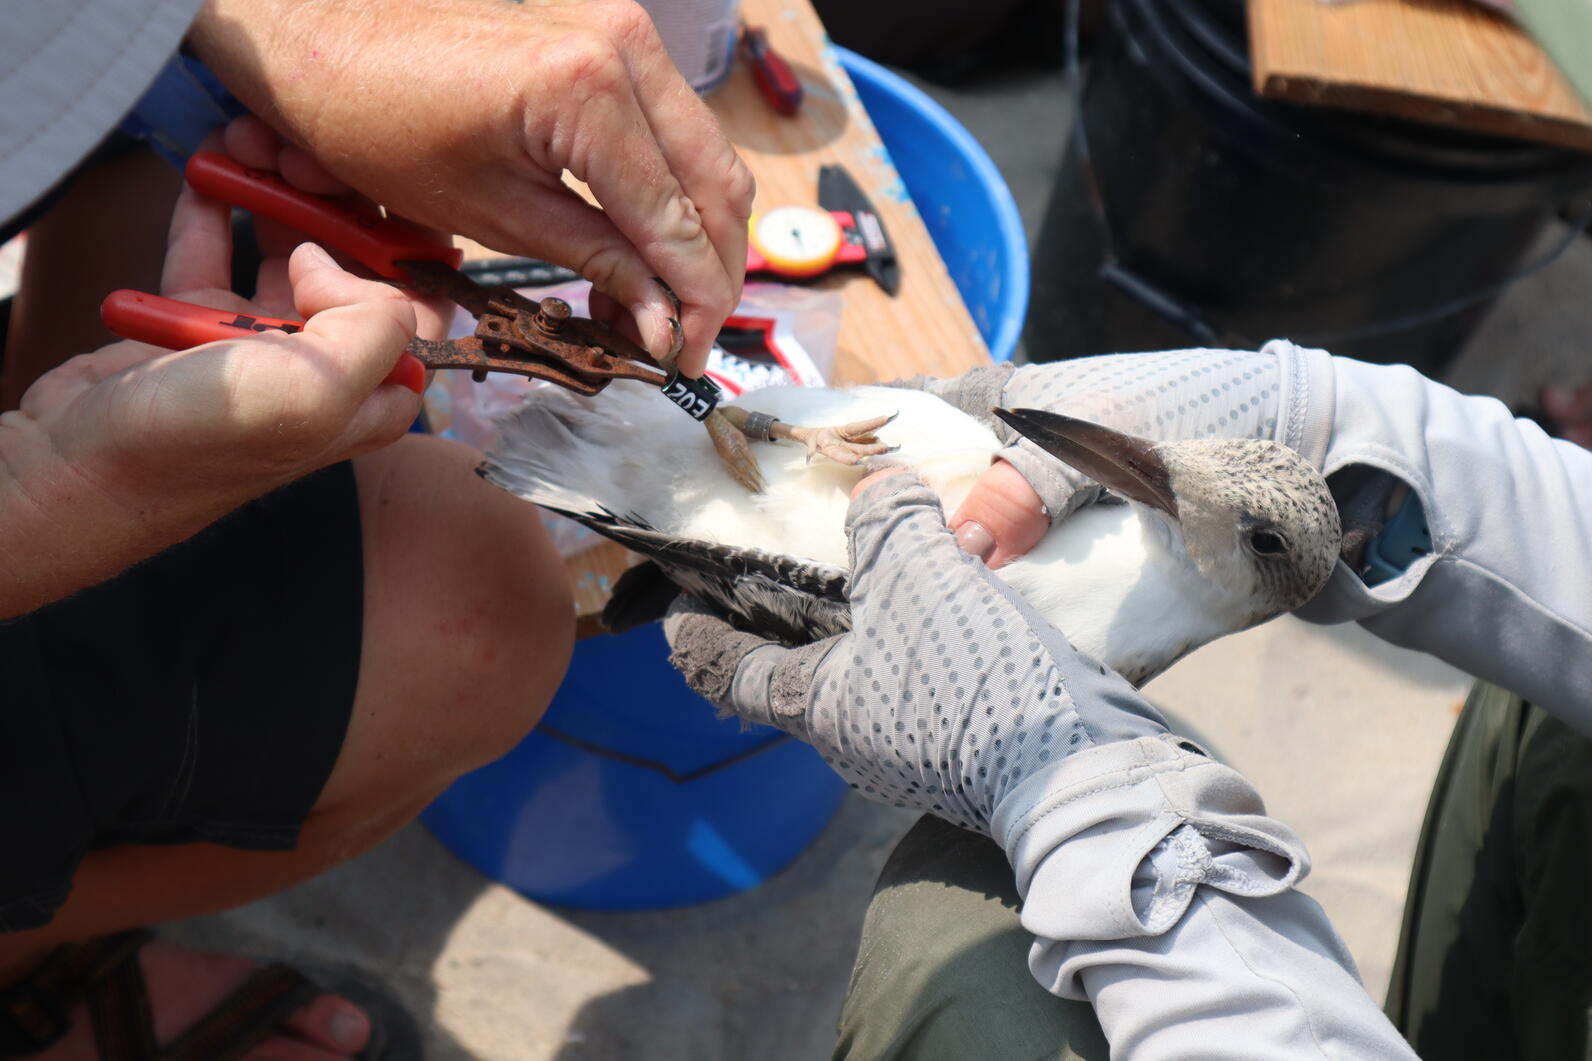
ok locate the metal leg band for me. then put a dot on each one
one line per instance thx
(758, 426)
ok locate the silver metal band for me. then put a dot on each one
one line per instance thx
(758, 425)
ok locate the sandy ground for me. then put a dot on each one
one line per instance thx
(1341, 732)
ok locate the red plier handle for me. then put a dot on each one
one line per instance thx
(178, 325)
(379, 243)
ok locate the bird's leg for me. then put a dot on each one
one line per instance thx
(732, 429)
(735, 453)
(844, 444)
(734, 448)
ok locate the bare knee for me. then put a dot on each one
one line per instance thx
(469, 622)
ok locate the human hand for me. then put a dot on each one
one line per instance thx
(1392, 444)
(1570, 407)
(231, 420)
(118, 454)
(943, 701)
(499, 100)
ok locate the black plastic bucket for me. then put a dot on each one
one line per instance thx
(1197, 212)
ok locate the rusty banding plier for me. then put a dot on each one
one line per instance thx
(542, 340)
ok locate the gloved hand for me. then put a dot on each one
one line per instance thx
(1499, 593)
(962, 701)
(1152, 879)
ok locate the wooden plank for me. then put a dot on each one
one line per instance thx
(1444, 61)
(925, 328)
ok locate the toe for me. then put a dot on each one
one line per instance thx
(332, 1023)
(286, 1048)
(862, 430)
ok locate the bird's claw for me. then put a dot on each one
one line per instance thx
(847, 444)
(735, 451)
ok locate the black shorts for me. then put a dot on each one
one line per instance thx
(202, 695)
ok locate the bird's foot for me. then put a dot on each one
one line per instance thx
(733, 429)
(847, 444)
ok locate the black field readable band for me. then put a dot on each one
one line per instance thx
(698, 397)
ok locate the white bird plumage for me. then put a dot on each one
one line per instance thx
(1116, 578)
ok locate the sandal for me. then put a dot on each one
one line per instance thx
(105, 975)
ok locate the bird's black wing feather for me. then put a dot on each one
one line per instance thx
(641, 596)
(785, 598)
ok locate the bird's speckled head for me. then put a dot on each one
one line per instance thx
(1255, 517)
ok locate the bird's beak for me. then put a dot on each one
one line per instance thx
(1121, 463)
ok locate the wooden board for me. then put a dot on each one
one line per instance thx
(924, 328)
(1444, 61)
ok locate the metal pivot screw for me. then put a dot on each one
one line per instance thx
(551, 314)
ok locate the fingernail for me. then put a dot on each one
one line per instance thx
(975, 540)
(408, 372)
(676, 337)
(674, 299)
(318, 255)
(349, 1028)
(649, 322)
(660, 329)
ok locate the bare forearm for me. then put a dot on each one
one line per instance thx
(281, 57)
(62, 529)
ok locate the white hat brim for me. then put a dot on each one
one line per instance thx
(69, 71)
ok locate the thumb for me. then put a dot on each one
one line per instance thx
(366, 326)
(356, 334)
(730, 668)
(1001, 518)
(320, 284)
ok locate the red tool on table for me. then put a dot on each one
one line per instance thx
(542, 339)
(776, 81)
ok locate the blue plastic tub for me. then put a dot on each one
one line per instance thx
(962, 197)
(631, 794)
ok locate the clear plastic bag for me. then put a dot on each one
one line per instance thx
(778, 335)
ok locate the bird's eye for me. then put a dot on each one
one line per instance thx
(1268, 543)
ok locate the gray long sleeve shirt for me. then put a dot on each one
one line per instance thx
(1505, 593)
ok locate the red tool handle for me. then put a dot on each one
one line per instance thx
(179, 325)
(379, 242)
(781, 88)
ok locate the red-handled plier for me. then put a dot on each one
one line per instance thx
(513, 334)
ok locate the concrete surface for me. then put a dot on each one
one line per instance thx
(1342, 734)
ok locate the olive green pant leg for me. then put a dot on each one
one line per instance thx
(1495, 956)
(942, 969)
